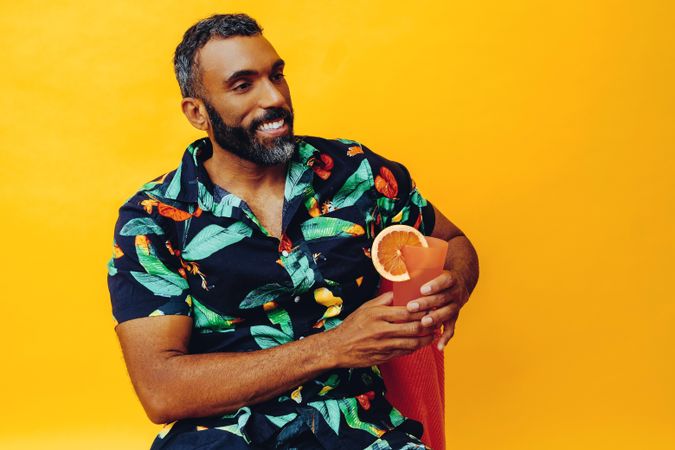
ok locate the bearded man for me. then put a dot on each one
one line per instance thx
(242, 282)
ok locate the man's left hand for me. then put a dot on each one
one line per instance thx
(443, 297)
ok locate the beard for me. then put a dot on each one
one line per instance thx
(242, 141)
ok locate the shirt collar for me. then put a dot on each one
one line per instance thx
(192, 184)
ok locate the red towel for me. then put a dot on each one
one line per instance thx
(415, 386)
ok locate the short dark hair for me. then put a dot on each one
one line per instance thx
(219, 25)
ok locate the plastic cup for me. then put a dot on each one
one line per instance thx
(423, 264)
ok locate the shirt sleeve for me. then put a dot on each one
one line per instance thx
(144, 273)
(398, 199)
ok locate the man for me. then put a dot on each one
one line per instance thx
(242, 281)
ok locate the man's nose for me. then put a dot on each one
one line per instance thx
(271, 96)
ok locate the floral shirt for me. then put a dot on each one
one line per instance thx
(185, 246)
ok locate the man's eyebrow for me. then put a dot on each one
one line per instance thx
(240, 74)
(278, 64)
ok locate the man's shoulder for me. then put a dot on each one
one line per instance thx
(341, 148)
(354, 151)
(154, 200)
(157, 187)
(338, 145)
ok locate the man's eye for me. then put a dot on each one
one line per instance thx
(242, 86)
(278, 76)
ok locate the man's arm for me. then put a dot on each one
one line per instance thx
(443, 297)
(173, 384)
(462, 258)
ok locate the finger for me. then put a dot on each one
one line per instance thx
(398, 314)
(408, 344)
(383, 299)
(444, 281)
(441, 315)
(409, 329)
(430, 301)
(448, 333)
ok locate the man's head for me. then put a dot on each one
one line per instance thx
(233, 87)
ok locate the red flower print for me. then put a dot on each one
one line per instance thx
(386, 184)
(322, 165)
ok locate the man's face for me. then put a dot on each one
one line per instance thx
(247, 99)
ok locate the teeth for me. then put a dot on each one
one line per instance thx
(272, 125)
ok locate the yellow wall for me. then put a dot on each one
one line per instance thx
(543, 129)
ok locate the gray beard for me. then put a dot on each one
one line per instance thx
(243, 143)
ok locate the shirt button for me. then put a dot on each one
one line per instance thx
(285, 253)
(297, 299)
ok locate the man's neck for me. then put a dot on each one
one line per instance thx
(243, 178)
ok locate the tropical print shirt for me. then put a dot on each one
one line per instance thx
(186, 246)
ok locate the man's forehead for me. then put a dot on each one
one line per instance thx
(223, 56)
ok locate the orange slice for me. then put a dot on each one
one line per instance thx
(386, 250)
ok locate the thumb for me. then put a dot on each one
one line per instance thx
(383, 299)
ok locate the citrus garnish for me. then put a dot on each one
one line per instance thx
(386, 250)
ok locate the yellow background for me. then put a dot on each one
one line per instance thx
(545, 130)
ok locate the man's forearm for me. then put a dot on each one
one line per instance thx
(200, 385)
(462, 259)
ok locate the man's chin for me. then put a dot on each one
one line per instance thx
(272, 152)
(269, 142)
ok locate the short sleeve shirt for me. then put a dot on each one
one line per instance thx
(185, 246)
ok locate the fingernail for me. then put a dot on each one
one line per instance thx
(440, 347)
(414, 306)
(425, 289)
(426, 321)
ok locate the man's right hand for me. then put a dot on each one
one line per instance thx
(377, 332)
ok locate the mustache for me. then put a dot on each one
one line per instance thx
(272, 114)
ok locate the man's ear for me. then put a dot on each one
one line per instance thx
(196, 114)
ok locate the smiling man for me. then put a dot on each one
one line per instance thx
(242, 283)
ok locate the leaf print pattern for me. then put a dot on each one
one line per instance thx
(226, 205)
(262, 295)
(151, 185)
(281, 317)
(330, 227)
(298, 267)
(173, 189)
(356, 185)
(281, 421)
(155, 268)
(112, 270)
(214, 238)
(159, 286)
(141, 225)
(268, 337)
(402, 215)
(331, 383)
(312, 205)
(331, 323)
(330, 410)
(396, 417)
(351, 415)
(186, 246)
(209, 321)
(297, 181)
(379, 445)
